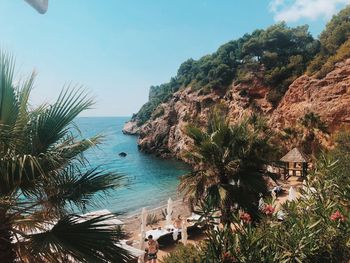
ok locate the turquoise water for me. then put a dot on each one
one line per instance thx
(151, 180)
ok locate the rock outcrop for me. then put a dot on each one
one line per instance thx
(328, 97)
(131, 128)
(164, 133)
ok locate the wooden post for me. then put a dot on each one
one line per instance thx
(304, 173)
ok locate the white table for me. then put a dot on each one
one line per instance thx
(157, 233)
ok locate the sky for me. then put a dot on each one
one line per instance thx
(117, 49)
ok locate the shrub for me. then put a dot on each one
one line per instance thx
(183, 254)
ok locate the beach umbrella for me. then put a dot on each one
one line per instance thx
(143, 228)
(184, 234)
(142, 244)
(143, 219)
(169, 212)
(292, 194)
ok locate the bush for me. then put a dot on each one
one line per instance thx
(183, 254)
(342, 53)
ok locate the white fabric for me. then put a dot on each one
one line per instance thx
(157, 233)
(143, 228)
(175, 234)
(292, 194)
(184, 234)
(169, 212)
(261, 204)
(143, 219)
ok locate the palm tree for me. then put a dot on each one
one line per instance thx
(228, 164)
(44, 178)
(314, 132)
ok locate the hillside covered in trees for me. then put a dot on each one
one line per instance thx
(276, 56)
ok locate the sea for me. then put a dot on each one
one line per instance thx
(150, 181)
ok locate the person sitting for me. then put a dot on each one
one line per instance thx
(152, 249)
(178, 222)
(277, 189)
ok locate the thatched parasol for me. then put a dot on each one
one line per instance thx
(295, 156)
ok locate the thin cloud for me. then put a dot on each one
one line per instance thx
(294, 10)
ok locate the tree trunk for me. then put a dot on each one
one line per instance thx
(7, 253)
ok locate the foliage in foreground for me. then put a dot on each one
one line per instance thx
(228, 164)
(43, 175)
(316, 227)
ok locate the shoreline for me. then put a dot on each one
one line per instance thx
(150, 209)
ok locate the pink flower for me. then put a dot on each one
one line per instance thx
(338, 216)
(268, 210)
(246, 218)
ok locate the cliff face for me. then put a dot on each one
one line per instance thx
(329, 97)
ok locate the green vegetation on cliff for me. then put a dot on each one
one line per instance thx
(335, 44)
(280, 52)
(276, 55)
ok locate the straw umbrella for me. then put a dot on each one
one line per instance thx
(184, 234)
(292, 194)
(169, 212)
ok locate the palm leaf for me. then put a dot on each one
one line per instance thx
(53, 122)
(71, 237)
(80, 188)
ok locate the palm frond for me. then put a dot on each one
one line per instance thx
(8, 97)
(196, 134)
(81, 188)
(74, 239)
(53, 122)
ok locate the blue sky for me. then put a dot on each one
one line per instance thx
(118, 49)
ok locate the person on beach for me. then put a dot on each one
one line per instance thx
(178, 222)
(152, 249)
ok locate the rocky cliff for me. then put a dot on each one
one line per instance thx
(329, 97)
